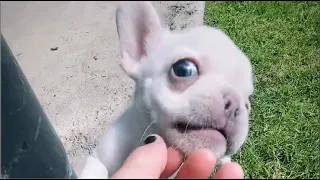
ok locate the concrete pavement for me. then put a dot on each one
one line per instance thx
(69, 51)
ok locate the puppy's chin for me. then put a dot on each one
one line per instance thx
(193, 140)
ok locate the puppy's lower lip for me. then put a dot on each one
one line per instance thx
(183, 127)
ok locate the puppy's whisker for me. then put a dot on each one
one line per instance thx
(185, 157)
(185, 135)
(142, 137)
(194, 137)
(175, 139)
(184, 132)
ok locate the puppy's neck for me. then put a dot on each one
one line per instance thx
(124, 133)
(136, 121)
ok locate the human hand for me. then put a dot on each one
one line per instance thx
(154, 161)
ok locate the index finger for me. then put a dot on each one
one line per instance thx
(199, 165)
(146, 162)
(174, 161)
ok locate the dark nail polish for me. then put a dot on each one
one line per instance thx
(150, 139)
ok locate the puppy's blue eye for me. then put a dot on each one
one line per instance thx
(184, 68)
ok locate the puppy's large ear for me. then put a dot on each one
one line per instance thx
(135, 20)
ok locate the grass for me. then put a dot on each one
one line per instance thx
(282, 41)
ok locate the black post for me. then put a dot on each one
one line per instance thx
(30, 147)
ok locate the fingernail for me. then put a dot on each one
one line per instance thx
(150, 139)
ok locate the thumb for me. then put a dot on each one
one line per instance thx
(147, 162)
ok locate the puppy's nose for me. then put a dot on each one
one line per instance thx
(231, 108)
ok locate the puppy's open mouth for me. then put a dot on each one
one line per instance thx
(184, 127)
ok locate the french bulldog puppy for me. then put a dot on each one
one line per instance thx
(192, 88)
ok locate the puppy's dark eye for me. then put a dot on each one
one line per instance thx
(184, 68)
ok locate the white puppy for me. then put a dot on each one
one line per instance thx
(191, 87)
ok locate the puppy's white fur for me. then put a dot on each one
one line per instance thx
(216, 96)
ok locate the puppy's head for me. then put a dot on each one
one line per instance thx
(195, 83)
